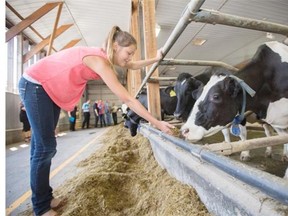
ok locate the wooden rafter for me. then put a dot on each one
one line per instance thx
(45, 42)
(54, 28)
(71, 43)
(12, 32)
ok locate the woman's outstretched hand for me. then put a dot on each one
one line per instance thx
(159, 54)
(165, 127)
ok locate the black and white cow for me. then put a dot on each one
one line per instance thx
(187, 88)
(168, 103)
(224, 96)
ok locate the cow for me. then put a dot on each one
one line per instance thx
(186, 89)
(168, 103)
(225, 96)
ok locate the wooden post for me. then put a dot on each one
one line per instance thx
(153, 94)
(134, 76)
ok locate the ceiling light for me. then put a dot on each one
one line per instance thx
(198, 41)
(269, 35)
(157, 29)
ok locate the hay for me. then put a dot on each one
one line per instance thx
(123, 178)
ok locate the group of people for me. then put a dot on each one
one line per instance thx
(102, 112)
(57, 82)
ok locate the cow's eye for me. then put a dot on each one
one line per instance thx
(215, 98)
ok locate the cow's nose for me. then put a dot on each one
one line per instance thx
(185, 132)
(177, 115)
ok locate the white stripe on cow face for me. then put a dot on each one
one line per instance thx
(279, 48)
(197, 132)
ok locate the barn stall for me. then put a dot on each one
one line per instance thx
(226, 186)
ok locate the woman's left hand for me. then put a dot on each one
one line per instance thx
(159, 55)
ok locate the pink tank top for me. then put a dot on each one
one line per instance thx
(64, 76)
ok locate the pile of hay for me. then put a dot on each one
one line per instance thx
(123, 178)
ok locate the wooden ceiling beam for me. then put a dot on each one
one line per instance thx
(45, 42)
(22, 18)
(12, 32)
(71, 43)
(54, 28)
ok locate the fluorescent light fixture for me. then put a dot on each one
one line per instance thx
(270, 35)
(157, 29)
(198, 41)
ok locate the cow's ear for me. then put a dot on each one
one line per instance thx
(233, 87)
(196, 93)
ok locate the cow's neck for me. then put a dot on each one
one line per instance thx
(251, 75)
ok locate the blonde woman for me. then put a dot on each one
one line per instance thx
(58, 82)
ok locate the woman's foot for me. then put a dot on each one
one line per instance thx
(51, 212)
(55, 202)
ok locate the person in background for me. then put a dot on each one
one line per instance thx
(114, 111)
(57, 82)
(101, 112)
(96, 113)
(72, 118)
(107, 113)
(26, 125)
(86, 113)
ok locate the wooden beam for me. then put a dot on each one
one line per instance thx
(71, 43)
(134, 76)
(31, 27)
(153, 94)
(29, 20)
(54, 28)
(44, 43)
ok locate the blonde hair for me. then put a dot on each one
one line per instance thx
(123, 38)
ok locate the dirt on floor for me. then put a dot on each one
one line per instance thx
(123, 178)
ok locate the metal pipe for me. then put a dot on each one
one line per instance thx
(192, 7)
(197, 63)
(227, 148)
(215, 17)
(267, 183)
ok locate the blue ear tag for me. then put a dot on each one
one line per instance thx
(235, 129)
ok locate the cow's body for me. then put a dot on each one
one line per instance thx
(222, 97)
(168, 103)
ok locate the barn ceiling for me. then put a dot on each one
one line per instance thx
(92, 20)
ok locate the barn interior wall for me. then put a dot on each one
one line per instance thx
(97, 91)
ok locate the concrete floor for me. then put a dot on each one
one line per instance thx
(72, 148)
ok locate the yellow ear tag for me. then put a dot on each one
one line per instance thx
(172, 93)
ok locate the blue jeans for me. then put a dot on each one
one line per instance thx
(43, 115)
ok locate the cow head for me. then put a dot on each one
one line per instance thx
(131, 122)
(186, 89)
(218, 104)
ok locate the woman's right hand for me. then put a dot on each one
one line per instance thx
(165, 127)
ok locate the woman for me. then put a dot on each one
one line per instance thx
(26, 125)
(58, 82)
(72, 118)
